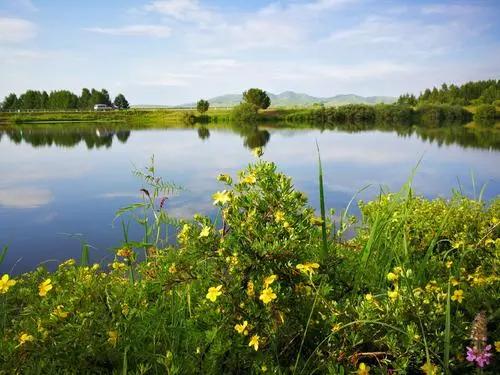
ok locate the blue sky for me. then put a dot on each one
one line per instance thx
(176, 51)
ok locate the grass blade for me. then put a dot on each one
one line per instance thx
(324, 252)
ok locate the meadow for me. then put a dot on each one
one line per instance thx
(269, 286)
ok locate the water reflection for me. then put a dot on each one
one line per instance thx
(69, 136)
(98, 136)
(63, 178)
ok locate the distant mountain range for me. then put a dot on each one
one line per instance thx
(294, 99)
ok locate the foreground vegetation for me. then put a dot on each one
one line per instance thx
(269, 287)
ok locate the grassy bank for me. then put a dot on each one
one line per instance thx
(425, 115)
(269, 287)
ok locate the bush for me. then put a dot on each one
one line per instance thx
(245, 113)
(248, 293)
(485, 115)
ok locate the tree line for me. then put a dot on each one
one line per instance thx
(61, 100)
(470, 93)
(434, 115)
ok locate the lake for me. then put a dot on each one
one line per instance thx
(62, 184)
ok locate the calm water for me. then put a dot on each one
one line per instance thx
(63, 183)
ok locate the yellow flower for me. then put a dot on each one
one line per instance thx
(118, 266)
(279, 216)
(449, 264)
(269, 280)
(267, 295)
(183, 232)
(221, 197)
(249, 179)
(263, 368)
(214, 292)
(497, 346)
(254, 341)
(336, 327)
(250, 289)
(124, 252)
(59, 312)
(241, 328)
(172, 268)
(363, 369)
(6, 283)
(205, 231)
(307, 268)
(112, 338)
(369, 297)
(24, 338)
(392, 276)
(429, 369)
(458, 295)
(454, 281)
(393, 294)
(44, 287)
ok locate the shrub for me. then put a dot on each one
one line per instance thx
(485, 115)
(245, 113)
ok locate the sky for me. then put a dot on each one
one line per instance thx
(177, 51)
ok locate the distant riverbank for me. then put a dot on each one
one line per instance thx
(431, 115)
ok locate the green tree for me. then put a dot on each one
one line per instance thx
(202, 106)
(10, 103)
(84, 102)
(121, 102)
(257, 97)
(31, 99)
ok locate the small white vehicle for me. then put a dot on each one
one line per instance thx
(102, 107)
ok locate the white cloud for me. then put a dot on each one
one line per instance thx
(185, 10)
(24, 197)
(155, 31)
(16, 30)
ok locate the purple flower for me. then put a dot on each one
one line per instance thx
(481, 357)
(471, 354)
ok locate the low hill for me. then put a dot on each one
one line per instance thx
(294, 99)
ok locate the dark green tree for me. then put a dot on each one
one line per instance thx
(31, 99)
(121, 102)
(84, 102)
(10, 103)
(202, 106)
(257, 97)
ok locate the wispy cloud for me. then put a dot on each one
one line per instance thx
(16, 30)
(185, 10)
(24, 197)
(155, 31)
